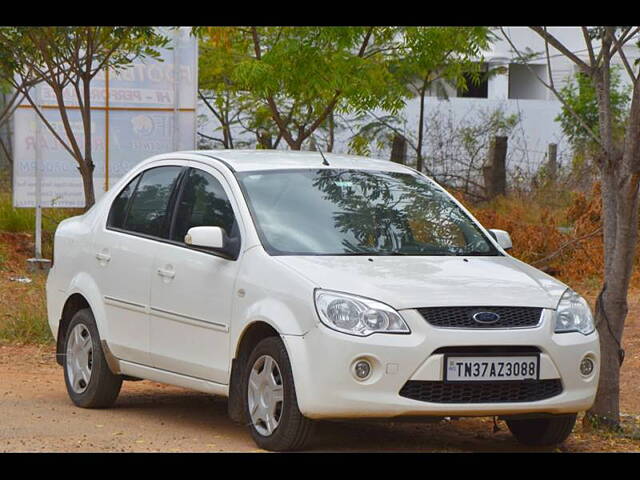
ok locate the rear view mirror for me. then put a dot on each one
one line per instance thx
(205, 237)
(503, 238)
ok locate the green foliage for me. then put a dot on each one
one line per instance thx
(58, 54)
(15, 219)
(446, 53)
(293, 78)
(301, 75)
(23, 219)
(580, 95)
(421, 58)
(311, 64)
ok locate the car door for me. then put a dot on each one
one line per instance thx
(124, 252)
(192, 289)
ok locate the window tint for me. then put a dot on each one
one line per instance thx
(118, 210)
(148, 212)
(203, 203)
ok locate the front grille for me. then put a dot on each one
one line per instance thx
(482, 392)
(462, 317)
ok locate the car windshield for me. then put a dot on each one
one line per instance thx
(358, 212)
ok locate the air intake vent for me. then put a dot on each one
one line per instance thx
(482, 392)
(463, 317)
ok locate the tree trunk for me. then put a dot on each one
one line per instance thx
(552, 163)
(89, 167)
(495, 174)
(419, 158)
(620, 203)
(399, 149)
(332, 127)
(612, 308)
(86, 172)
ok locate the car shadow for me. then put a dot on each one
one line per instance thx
(205, 415)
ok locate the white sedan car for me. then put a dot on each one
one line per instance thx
(305, 287)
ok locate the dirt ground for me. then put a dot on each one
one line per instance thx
(36, 415)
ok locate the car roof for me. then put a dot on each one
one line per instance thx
(256, 160)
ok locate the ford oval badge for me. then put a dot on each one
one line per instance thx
(486, 317)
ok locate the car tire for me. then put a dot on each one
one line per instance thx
(90, 383)
(543, 431)
(269, 398)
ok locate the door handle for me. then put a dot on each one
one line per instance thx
(166, 273)
(103, 257)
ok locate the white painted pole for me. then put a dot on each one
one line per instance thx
(38, 189)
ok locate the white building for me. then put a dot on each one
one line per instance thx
(518, 90)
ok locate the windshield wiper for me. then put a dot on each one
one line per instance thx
(477, 254)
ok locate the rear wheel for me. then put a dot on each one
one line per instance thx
(543, 431)
(90, 383)
(270, 399)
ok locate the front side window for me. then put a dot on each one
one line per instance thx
(358, 212)
(202, 203)
(148, 210)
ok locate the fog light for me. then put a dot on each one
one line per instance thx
(362, 369)
(586, 366)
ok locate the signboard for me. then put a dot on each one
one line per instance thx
(146, 109)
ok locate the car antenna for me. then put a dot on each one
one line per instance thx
(324, 160)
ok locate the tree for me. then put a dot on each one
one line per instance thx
(215, 89)
(432, 54)
(617, 154)
(70, 58)
(580, 98)
(302, 75)
(426, 59)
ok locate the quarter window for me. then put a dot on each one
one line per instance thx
(118, 211)
(148, 213)
(203, 203)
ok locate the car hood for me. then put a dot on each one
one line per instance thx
(411, 282)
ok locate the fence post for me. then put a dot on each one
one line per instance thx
(398, 149)
(495, 172)
(553, 162)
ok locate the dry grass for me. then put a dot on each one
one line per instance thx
(556, 231)
(23, 317)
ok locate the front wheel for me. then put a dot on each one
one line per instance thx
(544, 431)
(270, 399)
(90, 383)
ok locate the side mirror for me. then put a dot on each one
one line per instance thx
(503, 238)
(205, 237)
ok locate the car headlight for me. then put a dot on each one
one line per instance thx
(573, 314)
(357, 315)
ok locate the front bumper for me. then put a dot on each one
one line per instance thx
(322, 363)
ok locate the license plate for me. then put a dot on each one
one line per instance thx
(491, 368)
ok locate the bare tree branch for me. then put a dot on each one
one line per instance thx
(562, 48)
(566, 245)
(551, 87)
(618, 46)
(587, 40)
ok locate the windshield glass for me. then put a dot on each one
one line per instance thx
(358, 212)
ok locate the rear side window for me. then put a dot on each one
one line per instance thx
(118, 211)
(148, 210)
(202, 203)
